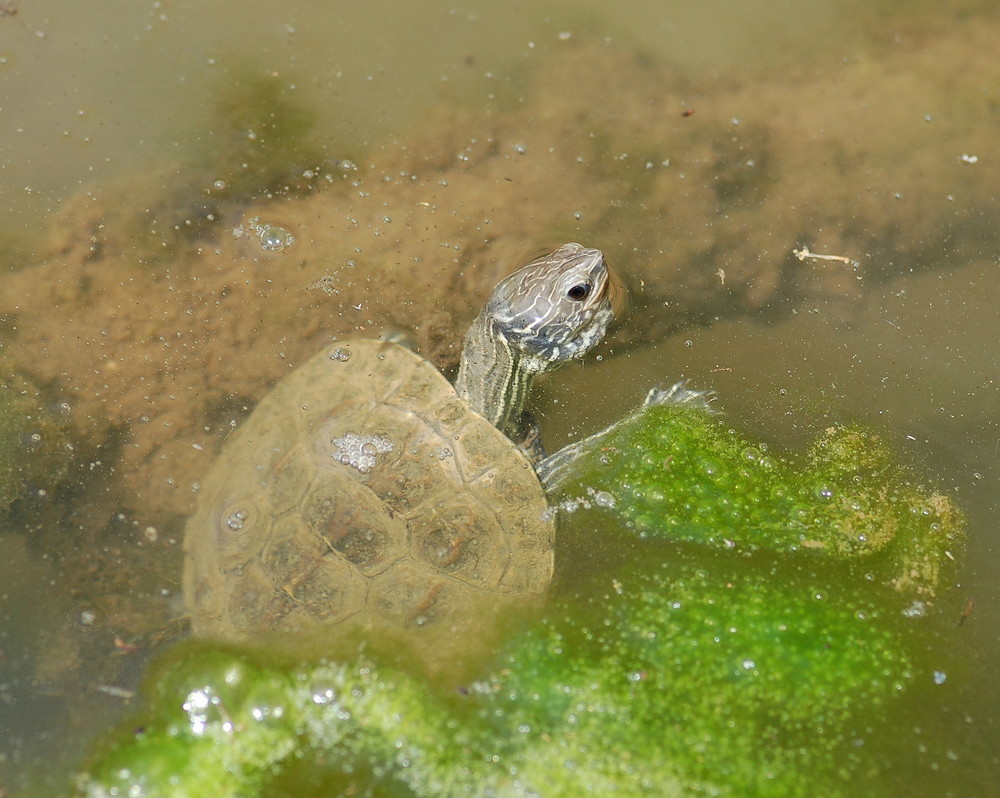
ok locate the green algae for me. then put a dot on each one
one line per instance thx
(734, 647)
(710, 680)
(690, 681)
(678, 473)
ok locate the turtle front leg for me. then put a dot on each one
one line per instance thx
(678, 394)
(552, 470)
(529, 438)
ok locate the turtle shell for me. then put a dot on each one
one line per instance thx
(363, 489)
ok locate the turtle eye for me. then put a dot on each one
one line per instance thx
(579, 292)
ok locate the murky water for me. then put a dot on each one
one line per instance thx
(92, 94)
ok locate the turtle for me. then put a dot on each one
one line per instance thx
(369, 491)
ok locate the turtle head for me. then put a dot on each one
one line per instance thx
(555, 309)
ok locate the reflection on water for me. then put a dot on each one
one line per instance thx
(90, 582)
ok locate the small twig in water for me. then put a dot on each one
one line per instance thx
(115, 692)
(9, 9)
(804, 253)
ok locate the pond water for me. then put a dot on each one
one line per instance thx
(899, 333)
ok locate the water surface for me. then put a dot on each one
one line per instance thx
(94, 94)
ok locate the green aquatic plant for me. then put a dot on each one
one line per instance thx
(724, 631)
(676, 473)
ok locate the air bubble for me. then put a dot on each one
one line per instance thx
(360, 451)
(916, 610)
(271, 237)
(275, 239)
(604, 499)
(237, 519)
(323, 694)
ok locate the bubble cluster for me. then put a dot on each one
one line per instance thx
(271, 237)
(237, 519)
(918, 609)
(594, 497)
(198, 705)
(361, 451)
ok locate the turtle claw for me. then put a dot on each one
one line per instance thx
(679, 394)
(394, 336)
(554, 469)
